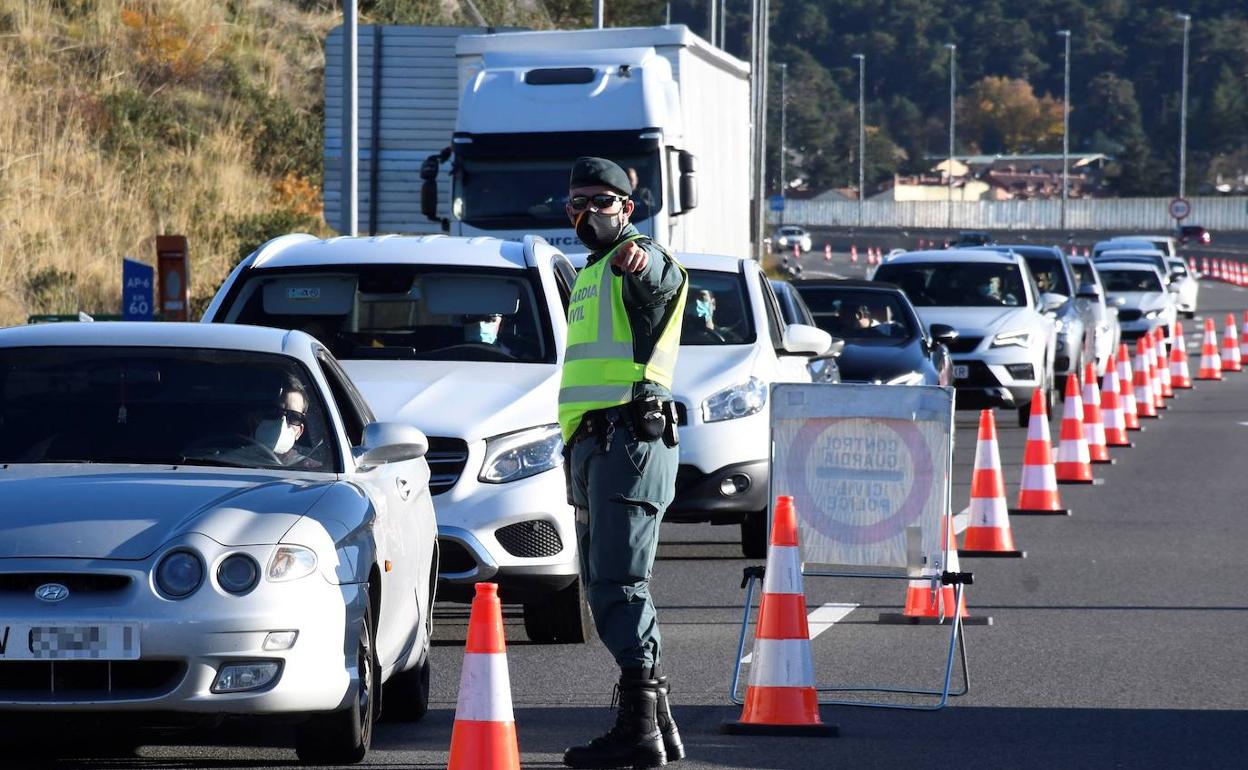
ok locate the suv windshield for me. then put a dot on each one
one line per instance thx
(1130, 280)
(717, 311)
(1049, 274)
(858, 315)
(161, 406)
(956, 284)
(403, 312)
(532, 193)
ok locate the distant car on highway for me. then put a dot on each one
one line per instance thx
(1104, 313)
(1115, 244)
(972, 238)
(464, 337)
(204, 521)
(885, 342)
(1006, 345)
(1193, 234)
(1144, 303)
(1164, 243)
(823, 368)
(1149, 256)
(786, 237)
(1187, 288)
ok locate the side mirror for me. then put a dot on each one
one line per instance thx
(429, 187)
(1088, 291)
(1118, 301)
(944, 333)
(835, 349)
(1050, 301)
(688, 181)
(802, 340)
(390, 442)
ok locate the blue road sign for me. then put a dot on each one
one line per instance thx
(137, 280)
(776, 202)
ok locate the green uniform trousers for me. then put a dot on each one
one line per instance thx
(620, 493)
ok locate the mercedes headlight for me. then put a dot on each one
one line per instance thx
(1152, 314)
(737, 401)
(291, 562)
(1015, 338)
(179, 573)
(522, 454)
(909, 378)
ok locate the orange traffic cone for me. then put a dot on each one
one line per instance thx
(781, 697)
(1230, 346)
(827, 252)
(1180, 375)
(988, 532)
(484, 736)
(1111, 406)
(928, 602)
(1154, 379)
(1210, 361)
(1074, 466)
(1144, 403)
(1243, 340)
(1093, 420)
(1160, 357)
(853, 253)
(1037, 494)
(1126, 390)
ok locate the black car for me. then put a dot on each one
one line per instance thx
(972, 238)
(793, 310)
(884, 340)
(1193, 234)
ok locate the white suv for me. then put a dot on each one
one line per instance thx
(464, 339)
(1006, 344)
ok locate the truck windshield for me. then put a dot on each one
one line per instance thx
(532, 193)
(403, 312)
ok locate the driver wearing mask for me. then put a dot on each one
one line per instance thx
(704, 308)
(482, 328)
(281, 425)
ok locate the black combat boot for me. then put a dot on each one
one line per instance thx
(634, 741)
(667, 726)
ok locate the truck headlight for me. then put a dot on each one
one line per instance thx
(909, 378)
(737, 401)
(522, 454)
(1014, 338)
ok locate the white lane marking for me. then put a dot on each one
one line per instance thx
(1245, 424)
(820, 620)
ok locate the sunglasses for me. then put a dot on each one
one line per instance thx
(597, 202)
(278, 412)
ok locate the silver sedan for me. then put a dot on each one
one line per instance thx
(200, 522)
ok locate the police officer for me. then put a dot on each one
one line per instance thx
(619, 431)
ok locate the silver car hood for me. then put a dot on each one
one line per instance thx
(130, 514)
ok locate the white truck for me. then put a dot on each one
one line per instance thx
(666, 105)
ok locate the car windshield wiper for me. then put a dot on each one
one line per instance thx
(215, 462)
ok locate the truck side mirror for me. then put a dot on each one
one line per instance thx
(688, 181)
(429, 187)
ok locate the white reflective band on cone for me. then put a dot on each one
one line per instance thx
(484, 689)
(784, 570)
(1038, 430)
(988, 512)
(986, 456)
(782, 663)
(1039, 477)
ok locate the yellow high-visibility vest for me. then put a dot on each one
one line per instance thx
(599, 368)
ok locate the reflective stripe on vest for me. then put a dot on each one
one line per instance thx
(599, 368)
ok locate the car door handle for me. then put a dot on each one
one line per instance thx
(405, 488)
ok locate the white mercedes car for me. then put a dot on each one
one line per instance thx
(1143, 299)
(1006, 345)
(205, 522)
(1185, 286)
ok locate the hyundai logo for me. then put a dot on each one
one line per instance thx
(52, 593)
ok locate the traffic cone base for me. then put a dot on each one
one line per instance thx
(1038, 512)
(922, 609)
(987, 542)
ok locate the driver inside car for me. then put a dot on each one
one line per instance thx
(280, 426)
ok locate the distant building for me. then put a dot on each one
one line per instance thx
(1021, 177)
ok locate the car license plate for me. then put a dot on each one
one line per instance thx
(961, 371)
(37, 641)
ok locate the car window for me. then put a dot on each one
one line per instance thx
(717, 310)
(1049, 274)
(404, 312)
(859, 315)
(1178, 268)
(565, 279)
(1083, 273)
(1130, 280)
(775, 319)
(956, 284)
(164, 406)
(351, 405)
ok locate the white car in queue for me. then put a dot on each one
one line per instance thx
(1184, 285)
(734, 344)
(464, 338)
(1144, 301)
(1006, 345)
(199, 523)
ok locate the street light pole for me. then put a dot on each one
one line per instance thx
(953, 59)
(1066, 129)
(784, 104)
(1187, 27)
(862, 131)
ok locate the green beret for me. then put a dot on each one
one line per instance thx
(588, 172)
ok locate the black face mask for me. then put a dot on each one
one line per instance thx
(598, 231)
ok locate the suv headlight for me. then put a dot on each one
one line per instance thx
(909, 378)
(522, 454)
(737, 401)
(1017, 338)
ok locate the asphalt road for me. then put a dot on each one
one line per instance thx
(1119, 642)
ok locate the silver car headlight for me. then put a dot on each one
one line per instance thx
(737, 401)
(522, 454)
(1150, 315)
(179, 573)
(1017, 338)
(909, 378)
(237, 573)
(291, 562)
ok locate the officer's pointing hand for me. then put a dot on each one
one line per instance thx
(630, 258)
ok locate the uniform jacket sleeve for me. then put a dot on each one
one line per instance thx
(656, 284)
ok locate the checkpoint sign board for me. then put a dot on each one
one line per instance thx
(137, 280)
(1180, 208)
(868, 467)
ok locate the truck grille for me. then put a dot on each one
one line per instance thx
(530, 539)
(963, 344)
(40, 681)
(447, 458)
(76, 582)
